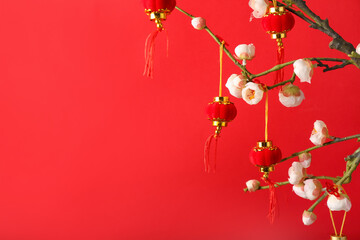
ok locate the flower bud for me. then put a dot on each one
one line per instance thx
(252, 93)
(358, 49)
(312, 188)
(252, 185)
(305, 159)
(245, 52)
(259, 7)
(296, 173)
(303, 68)
(319, 134)
(308, 218)
(198, 23)
(341, 203)
(235, 84)
(291, 95)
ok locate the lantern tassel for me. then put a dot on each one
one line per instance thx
(149, 54)
(273, 200)
(279, 77)
(207, 148)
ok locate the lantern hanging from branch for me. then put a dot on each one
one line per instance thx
(220, 111)
(157, 10)
(277, 22)
(265, 156)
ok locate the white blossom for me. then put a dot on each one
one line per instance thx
(319, 134)
(312, 188)
(245, 51)
(235, 84)
(291, 95)
(303, 68)
(252, 93)
(341, 203)
(252, 185)
(198, 23)
(296, 173)
(308, 218)
(259, 7)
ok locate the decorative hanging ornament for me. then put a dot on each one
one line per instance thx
(265, 156)
(220, 111)
(157, 10)
(277, 22)
(337, 201)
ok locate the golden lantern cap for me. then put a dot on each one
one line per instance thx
(221, 99)
(338, 237)
(277, 9)
(264, 144)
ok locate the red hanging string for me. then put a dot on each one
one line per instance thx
(279, 76)
(149, 54)
(273, 200)
(207, 148)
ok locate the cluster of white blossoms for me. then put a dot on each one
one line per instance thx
(253, 92)
(309, 188)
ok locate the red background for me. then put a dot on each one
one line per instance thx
(91, 149)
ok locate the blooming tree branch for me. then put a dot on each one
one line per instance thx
(337, 140)
(279, 184)
(250, 77)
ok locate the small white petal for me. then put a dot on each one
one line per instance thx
(299, 190)
(305, 159)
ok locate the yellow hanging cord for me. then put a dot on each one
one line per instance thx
(342, 225)
(275, 3)
(343, 222)
(266, 113)
(333, 223)
(221, 58)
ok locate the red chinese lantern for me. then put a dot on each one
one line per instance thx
(220, 112)
(277, 22)
(265, 156)
(157, 11)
